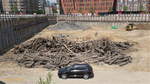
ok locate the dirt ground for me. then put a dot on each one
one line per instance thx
(140, 53)
(13, 74)
(138, 72)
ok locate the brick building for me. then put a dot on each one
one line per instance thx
(103, 6)
(87, 7)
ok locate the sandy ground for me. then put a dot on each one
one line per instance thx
(140, 53)
(138, 72)
(12, 74)
(111, 77)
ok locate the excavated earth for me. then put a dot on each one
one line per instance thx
(138, 53)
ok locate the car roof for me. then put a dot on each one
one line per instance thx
(80, 64)
(83, 65)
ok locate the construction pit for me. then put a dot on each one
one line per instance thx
(56, 47)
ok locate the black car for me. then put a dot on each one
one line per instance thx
(75, 71)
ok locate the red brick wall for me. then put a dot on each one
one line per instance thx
(86, 6)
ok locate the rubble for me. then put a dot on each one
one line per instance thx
(57, 52)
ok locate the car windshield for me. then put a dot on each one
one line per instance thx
(69, 68)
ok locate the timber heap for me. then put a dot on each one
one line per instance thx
(57, 52)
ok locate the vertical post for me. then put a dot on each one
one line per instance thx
(1, 47)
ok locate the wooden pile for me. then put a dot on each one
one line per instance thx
(59, 52)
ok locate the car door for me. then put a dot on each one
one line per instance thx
(81, 71)
(74, 72)
(71, 71)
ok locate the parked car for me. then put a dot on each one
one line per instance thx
(76, 71)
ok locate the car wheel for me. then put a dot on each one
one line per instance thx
(64, 76)
(86, 76)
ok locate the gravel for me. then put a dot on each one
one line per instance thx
(69, 26)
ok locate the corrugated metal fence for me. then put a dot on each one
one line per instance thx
(18, 28)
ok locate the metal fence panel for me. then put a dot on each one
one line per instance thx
(112, 18)
(17, 28)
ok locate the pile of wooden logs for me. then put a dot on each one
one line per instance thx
(56, 52)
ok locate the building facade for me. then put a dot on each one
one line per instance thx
(87, 7)
(23, 6)
(133, 5)
(31, 6)
(10, 6)
(103, 6)
(148, 5)
(1, 7)
(5, 5)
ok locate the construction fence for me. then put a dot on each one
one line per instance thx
(15, 29)
(110, 18)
